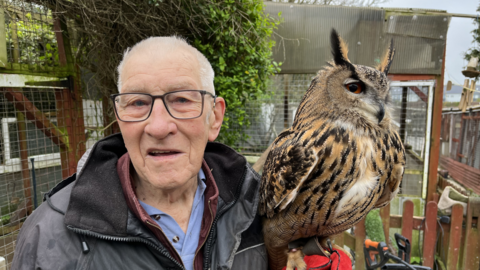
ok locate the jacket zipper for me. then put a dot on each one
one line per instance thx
(125, 239)
(158, 227)
(200, 247)
(206, 263)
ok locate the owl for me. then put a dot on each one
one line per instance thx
(340, 159)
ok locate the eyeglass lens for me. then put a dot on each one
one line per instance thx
(137, 107)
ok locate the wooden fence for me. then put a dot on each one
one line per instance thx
(454, 245)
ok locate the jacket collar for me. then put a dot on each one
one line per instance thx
(97, 201)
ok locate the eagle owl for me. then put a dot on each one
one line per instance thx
(340, 159)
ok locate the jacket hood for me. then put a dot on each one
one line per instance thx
(97, 202)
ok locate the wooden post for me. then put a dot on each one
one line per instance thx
(475, 140)
(22, 137)
(79, 120)
(461, 104)
(430, 234)
(407, 220)
(16, 46)
(68, 112)
(471, 253)
(435, 137)
(385, 214)
(61, 125)
(455, 237)
(3, 40)
(359, 241)
(63, 42)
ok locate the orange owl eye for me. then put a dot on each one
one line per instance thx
(355, 88)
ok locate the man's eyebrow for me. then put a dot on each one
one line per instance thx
(134, 90)
(180, 86)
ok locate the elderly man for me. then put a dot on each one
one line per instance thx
(160, 195)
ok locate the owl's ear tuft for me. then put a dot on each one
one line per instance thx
(339, 50)
(387, 59)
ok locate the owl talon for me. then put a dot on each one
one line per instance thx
(295, 260)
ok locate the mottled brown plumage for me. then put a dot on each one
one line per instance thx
(340, 159)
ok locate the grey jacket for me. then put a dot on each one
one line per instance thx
(84, 222)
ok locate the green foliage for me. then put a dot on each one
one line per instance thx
(5, 212)
(374, 226)
(4, 220)
(33, 40)
(238, 45)
(475, 51)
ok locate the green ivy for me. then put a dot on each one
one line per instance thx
(36, 41)
(237, 41)
(475, 51)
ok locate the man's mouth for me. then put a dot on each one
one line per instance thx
(162, 153)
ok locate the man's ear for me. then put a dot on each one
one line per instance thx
(216, 119)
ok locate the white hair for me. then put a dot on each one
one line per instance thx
(165, 45)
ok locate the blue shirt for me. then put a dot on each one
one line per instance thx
(185, 244)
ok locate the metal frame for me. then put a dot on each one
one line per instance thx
(428, 130)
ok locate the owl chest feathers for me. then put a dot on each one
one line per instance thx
(327, 171)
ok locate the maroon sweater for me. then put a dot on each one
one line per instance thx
(211, 201)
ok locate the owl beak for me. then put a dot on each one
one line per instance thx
(380, 113)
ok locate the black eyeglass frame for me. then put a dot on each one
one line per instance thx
(162, 97)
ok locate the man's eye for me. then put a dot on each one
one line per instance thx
(138, 103)
(181, 100)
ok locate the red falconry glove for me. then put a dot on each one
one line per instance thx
(338, 261)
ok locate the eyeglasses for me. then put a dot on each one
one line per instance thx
(137, 107)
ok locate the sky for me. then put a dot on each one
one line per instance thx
(459, 36)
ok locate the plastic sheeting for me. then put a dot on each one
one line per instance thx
(303, 37)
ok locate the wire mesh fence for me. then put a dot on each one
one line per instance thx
(29, 36)
(275, 111)
(30, 163)
(460, 146)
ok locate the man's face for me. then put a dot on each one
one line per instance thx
(167, 152)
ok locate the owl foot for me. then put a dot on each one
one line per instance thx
(295, 260)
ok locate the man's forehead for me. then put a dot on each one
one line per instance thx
(178, 70)
(158, 57)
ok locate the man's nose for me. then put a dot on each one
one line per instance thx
(160, 123)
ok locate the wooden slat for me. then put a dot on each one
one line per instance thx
(471, 255)
(407, 220)
(430, 234)
(359, 241)
(396, 222)
(466, 175)
(349, 240)
(455, 237)
(338, 239)
(419, 93)
(410, 77)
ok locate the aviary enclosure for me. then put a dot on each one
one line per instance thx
(50, 114)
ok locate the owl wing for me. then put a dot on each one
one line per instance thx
(394, 165)
(292, 159)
